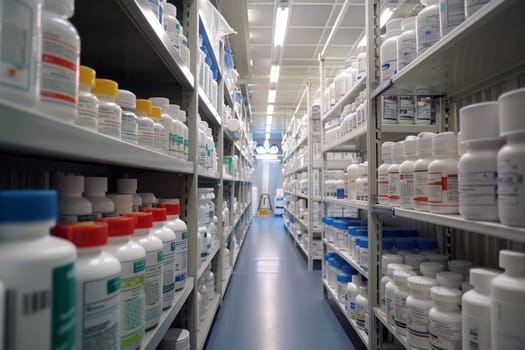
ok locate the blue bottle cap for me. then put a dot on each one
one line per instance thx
(27, 206)
(427, 244)
(405, 244)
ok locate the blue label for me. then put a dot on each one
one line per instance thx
(340, 193)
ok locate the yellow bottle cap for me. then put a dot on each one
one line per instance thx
(105, 87)
(155, 112)
(87, 76)
(143, 106)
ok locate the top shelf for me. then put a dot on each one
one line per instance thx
(349, 97)
(490, 42)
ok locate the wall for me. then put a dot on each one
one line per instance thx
(268, 177)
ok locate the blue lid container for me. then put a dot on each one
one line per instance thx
(405, 244)
(388, 243)
(427, 244)
(349, 270)
(362, 242)
(409, 233)
(25, 206)
(343, 278)
(392, 232)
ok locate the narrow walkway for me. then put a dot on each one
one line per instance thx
(273, 302)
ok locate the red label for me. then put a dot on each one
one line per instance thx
(57, 96)
(59, 62)
(444, 183)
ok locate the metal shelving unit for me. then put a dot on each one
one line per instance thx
(346, 257)
(207, 321)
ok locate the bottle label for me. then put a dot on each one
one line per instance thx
(100, 316)
(382, 187)
(406, 108)
(417, 325)
(476, 332)
(181, 257)
(393, 186)
(442, 189)
(132, 299)
(153, 285)
(389, 307)
(160, 139)
(427, 32)
(423, 109)
(400, 311)
(407, 47)
(99, 215)
(145, 134)
(406, 188)
(478, 188)
(360, 315)
(63, 315)
(452, 14)
(445, 335)
(388, 69)
(70, 219)
(109, 120)
(58, 77)
(390, 108)
(168, 277)
(129, 128)
(87, 111)
(420, 188)
(363, 259)
(511, 190)
(507, 331)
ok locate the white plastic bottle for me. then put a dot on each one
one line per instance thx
(210, 285)
(87, 115)
(72, 207)
(132, 259)
(476, 310)
(386, 259)
(95, 192)
(406, 43)
(159, 135)
(203, 242)
(361, 183)
(388, 53)
(352, 291)
(390, 109)
(472, 6)
(182, 117)
(129, 186)
(445, 319)
(352, 173)
(180, 229)
(418, 305)
(166, 235)
(146, 126)
(400, 297)
(109, 113)
(172, 25)
(382, 173)
(393, 174)
(427, 25)
(148, 200)
(406, 173)
(431, 268)
(508, 302)
(154, 269)
(449, 279)
(123, 202)
(424, 153)
(175, 338)
(60, 60)
(165, 120)
(390, 290)
(129, 121)
(35, 267)
(177, 142)
(98, 285)
(443, 196)
(361, 308)
(415, 261)
(451, 15)
(407, 109)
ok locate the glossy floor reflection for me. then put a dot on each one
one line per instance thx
(273, 302)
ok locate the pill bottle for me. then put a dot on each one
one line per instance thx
(449, 279)
(511, 159)
(445, 319)
(172, 25)
(182, 117)
(20, 75)
(342, 282)
(386, 259)
(406, 173)
(472, 6)
(431, 268)
(443, 175)
(440, 258)
(203, 244)
(415, 260)
(389, 109)
(156, 6)
(478, 166)
(35, 265)
(407, 109)
(123, 202)
(210, 285)
(508, 302)
(361, 308)
(393, 174)
(427, 25)
(382, 173)
(98, 284)
(425, 110)
(129, 122)
(109, 113)
(148, 200)
(363, 252)
(203, 290)
(146, 126)
(388, 54)
(418, 305)
(400, 297)
(390, 290)
(132, 259)
(87, 114)
(361, 183)
(72, 207)
(180, 229)
(352, 291)
(476, 310)
(154, 269)
(424, 154)
(460, 266)
(175, 338)
(177, 132)
(198, 309)
(129, 186)
(352, 173)
(166, 121)
(159, 136)
(451, 14)
(406, 43)
(95, 192)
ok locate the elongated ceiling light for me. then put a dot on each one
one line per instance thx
(268, 127)
(271, 95)
(269, 119)
(269, 109)
(267, 136)
(274, 73)
(280, 26)
(385, 16)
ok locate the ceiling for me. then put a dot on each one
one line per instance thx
(309, 26)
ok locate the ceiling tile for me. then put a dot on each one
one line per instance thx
(260, 35)
(303, 36)
(260, 15)
(355, 16)
(346, 36)
(291, 51)
(309, 15)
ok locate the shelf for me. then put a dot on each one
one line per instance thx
(203, 32)
(229, 271)
(211, 255)
(350, 96)
(347, 258)
(333, 294)
(124, 42)
(228, 97)
(209, 175)
(395, 131)
(492, 229)
(205, 325)
(400, 338)
(153, 337)
(300, 195)
(478, 41)
(297, 145)
(352, 137)
(347, 203)
(208, 113)
(32, 132)
(296, 170)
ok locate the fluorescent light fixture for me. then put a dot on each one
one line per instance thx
(362, 43)
(385, 16)
(274, 73)
(269, 109)
(269, 120)
(280, 26)
(268, 128)
(271, 95)
(267, 136)
(251, 62)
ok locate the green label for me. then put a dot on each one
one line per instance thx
(159, 256)
(185, 235)
(109, 215)
(139, 266)
(168, 288)
(132, 282)
(132, 339)
(113, 285)
(172, 246)
(83, 218)
(63, 307)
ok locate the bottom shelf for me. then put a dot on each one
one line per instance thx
(392, 329)
(229, 271)
(205, 324)
(300, 244)
(361, 333)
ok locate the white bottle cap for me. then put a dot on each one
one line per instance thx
(386, 150)
(173, 109)
(161, 102)
(431, 268)
(408, 23)
(397, 152)
(424, 143)
(387, 259)
(393, 267)
(482, 278)
(123, 202)
(170, 10)
(446, 295)
(511, 107)
(410, 146)
(479, 121)
(421, 283)
(183, 116)
(95, 184)
(400, 276)
(393, 27)
(147, 197)
(460, 266)
(127, 186)
(415, 260)
(443, 259)
(169, 200)
(512, 261)
(69, 184)
(449, 279)
(126, 99)
(445, 144)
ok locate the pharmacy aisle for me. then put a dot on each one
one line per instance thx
(273, 302)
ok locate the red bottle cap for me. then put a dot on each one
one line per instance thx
(172, 208)
(119, 226)
(142, 219)
(159, 214)
(83, 235)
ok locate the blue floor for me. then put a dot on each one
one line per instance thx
(273, 302)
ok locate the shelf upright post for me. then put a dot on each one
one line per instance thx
(323, 168)
(309, 141)
(220, 189)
